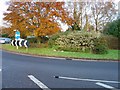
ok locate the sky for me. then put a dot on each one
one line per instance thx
(3, 8)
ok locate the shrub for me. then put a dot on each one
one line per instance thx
(52, 38)
(76, 41)
(112, 42)
(32, 40)
(38, 42)
(43, 39)
(100, 46)
(81, 42)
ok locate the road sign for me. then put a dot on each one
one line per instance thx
(20, 43)
(17, 35)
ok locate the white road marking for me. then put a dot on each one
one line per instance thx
(0, 70)
(104, 85)
(39, 83)
(90, 80)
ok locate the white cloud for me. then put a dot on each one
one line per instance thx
(3, 8)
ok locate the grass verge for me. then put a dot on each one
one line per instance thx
(112, 54)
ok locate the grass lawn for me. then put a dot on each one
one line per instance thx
(112, 54)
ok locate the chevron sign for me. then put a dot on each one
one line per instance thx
(20, 43)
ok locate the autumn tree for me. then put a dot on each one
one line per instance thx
(15, 19)
(37, 18)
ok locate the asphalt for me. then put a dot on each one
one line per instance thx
(16, 68)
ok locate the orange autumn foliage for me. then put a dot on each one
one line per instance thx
(37, 18)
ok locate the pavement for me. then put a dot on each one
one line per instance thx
(20, 71)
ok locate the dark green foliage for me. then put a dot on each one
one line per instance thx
(113, 28)
(42, 39)
(5, 35)
(100, 46)
(38, 42)
(38, 39)
(32, 40)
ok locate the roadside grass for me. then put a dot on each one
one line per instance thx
(112, 54)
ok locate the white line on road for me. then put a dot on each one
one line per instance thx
(0, 70)
(90, 80)
(104, 85)
(39, 83)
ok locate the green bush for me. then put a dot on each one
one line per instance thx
(52, 38)
(100, 46)
(76, 41)
(81, 42)
(112, 41)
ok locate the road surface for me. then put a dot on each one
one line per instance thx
(20, 71)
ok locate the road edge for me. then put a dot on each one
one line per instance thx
(61, 58)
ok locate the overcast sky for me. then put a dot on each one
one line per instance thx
(3, 8)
